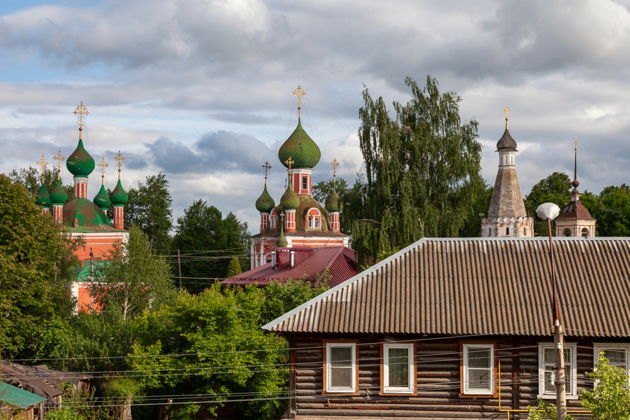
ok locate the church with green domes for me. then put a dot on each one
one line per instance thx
(298, 220)
(82, 219)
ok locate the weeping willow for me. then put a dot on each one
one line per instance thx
(422, 171)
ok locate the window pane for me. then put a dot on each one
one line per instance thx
(398, 364)
(341, 356)
(341, 377)
(478, 358)
(479, 378)
(550, 377)
(616, 357)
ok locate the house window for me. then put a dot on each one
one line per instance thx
(617, 354)
(478, 369)
(305, 183)
(547, 370)
(341, 367)
(567, 232)
(398, 369)
(584, 232)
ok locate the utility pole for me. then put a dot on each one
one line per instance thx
(548, 212)
(179, 268)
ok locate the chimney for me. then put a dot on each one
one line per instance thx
(292, 259)
(273, 260)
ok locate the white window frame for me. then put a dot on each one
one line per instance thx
(410, 389)
(466, 390)
(572, 371)
(598, 347)
(341, 389)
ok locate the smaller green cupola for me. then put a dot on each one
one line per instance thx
(58, 194)
(282, 240)
(265, 202)
(290, 200)
(43, 197)
(119, 196)
(102, 199)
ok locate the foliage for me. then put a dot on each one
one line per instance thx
(610, 397)
(556, 188)
(280, 298)
(202, 228)
(611, 209)
(31, 179)
(36, 266)
(472, 225)
(323, 189)
(423, 170)
(149, 208)
(545, 411)
(234, 268)
(230, 353)
(133, 277)
(80, 405)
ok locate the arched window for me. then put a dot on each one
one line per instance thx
(584, 232)
(273, 219)
(566, 232)
(313, 219)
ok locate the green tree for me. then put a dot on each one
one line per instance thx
(208, 243)
(133, 277)
(472, 225)
(31, 179)
(610, 397)
(323, 189)
(234, 268)
(229, 353)
(612, 210)
(422, 167)
(149, 208)
(36, 267)
(556, 188)
(280, 298)
(545, 411)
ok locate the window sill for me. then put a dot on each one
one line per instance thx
(553, 397)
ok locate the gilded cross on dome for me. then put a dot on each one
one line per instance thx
(299, 93)
(266, 167)
(59, 158)
(43, 163)
(334, 165)
(507, 116)
(81, 112)
(289, 162)
(102, 165)
(119, 158)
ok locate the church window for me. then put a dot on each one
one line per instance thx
(566, 232)
(305, 183)
(313, 219)
(584, 232)
(507, 231)
(273, 217)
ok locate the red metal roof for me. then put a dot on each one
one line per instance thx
(311, 264)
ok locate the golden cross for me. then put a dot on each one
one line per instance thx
(59, 158)
(43, 163)
(266, 166)
(102, 166)
(507, 116)
(119, 162)
(299, 93)
(81, 112)
(334, 165)
(289, 162)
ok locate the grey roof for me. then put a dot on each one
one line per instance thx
(506, 142)
(478, 286)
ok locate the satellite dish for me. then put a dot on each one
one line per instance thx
(548, 211)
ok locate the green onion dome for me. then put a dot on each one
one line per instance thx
(332, 202)
(58, 194)
(301, 148)
(102, 199)
(43, 197)
(119, 195)
(82, 213)
(265, 202)
(290, 200)
(80, 163)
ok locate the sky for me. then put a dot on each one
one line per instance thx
(201, 89)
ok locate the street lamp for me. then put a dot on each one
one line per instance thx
(548, 212)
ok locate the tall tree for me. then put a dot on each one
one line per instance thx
(472, 226)
(133, 277)
(31, 179)
(556, 188)
(611, 209)
(207, 243)
(149, 208)
(422, 166)
(36, 267)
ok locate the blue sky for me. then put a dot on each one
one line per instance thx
(201, 89)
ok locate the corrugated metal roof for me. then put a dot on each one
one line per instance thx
(17, 397)
(479, 286)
